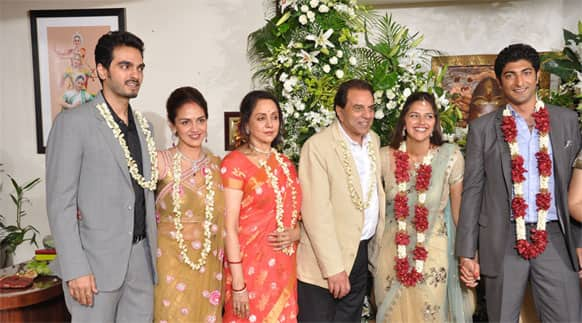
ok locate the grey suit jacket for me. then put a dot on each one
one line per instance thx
(484, 223)
(86, 170)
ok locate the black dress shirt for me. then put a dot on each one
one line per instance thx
(131, 136)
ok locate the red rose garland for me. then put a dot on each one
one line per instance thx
(539, 236)
(405, 275)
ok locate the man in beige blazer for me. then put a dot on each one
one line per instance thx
(343, 210)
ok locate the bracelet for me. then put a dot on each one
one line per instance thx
(234, 262)
(243, 289)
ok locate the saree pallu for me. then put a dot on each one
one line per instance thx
(182, 294)
(270, 275)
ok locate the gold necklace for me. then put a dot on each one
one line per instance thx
(255, 149)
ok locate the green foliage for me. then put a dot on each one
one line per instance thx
(567, 65)
(14, 235)
(41, 267)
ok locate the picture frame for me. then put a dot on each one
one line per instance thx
(232, 135)
(63, 45)
(465, 73)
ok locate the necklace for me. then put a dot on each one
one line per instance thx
(404, 274)
(131, 164)
(274, 182)
(539, 236)
(196, 163)
(260, 151)
(356, 199)
(208, 214)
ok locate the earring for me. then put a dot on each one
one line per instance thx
(175, 139)
(247, 132)
(403, 132)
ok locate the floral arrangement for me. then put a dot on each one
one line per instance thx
(567, 65)
(309, 47)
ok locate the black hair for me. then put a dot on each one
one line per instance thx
(514, 53)
(181, 96)
(247, 106)
(341, 97)
(398, 136)
(113, 39)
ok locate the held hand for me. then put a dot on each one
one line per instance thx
(82, 289)
(280, 240)
(240, 304)
(339, 285)
(470, 271)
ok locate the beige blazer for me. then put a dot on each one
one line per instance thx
(332, 226)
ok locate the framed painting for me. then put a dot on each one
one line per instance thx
(63, 44)
(471, 79)
(232, 137)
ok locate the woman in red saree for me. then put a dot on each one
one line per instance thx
(263, 202)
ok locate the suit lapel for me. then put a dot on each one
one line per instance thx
(557, 141)
(339, 138)
(503, 149)
(112, 142)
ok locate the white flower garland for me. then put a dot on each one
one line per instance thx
(208, 214)
(402, 188)
(274, 181)
(356, 199)
(151, 146)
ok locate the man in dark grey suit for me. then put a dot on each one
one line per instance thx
(487, 227)
(101, 171)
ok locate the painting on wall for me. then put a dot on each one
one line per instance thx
(63, 44)
(471, 79)
(232, 137)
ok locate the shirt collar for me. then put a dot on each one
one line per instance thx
(350, 140)
(117, 118)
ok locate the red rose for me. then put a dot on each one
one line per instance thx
(402, 238)
(400, 206)
(423, 177)
(420, 218)
(509, 128)
(542, 119)
(517, 169)
(544, 163)
(401, 265)
(519, 206)
(543, 201)
(420, 253)
(401, 162)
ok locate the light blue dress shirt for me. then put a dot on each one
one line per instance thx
(529, 144)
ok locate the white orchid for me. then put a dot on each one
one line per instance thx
(322, 40)
(283, 77)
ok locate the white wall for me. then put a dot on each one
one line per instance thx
(203, 43)
(198, 43)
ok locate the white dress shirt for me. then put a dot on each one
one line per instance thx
(363, 162)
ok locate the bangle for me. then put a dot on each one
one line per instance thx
(234, 262)
(244, 288)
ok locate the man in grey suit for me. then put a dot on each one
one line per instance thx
(492, 219)
(101, 171)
